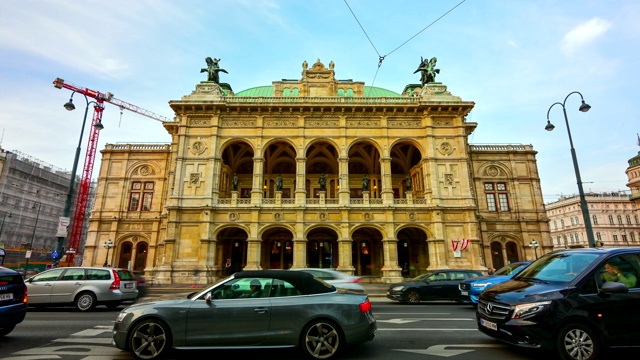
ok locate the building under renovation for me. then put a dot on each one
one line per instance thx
(316, 172)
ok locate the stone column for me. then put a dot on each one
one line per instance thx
(300, 191)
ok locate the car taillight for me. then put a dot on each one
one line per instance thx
(24, 298)
(356, 280)
(115, 285)
(365, 306)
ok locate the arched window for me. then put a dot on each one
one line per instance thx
(286, 92)
(595, 220)
(611, 219)
(619, 219)
(341, 92)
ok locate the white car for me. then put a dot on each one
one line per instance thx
(82, 287)
(336, 278)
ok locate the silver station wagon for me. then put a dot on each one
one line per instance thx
(82, 287)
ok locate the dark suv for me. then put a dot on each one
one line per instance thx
(13, 300)
(576, 302)
(434, 285)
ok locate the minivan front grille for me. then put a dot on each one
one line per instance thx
(493, 310)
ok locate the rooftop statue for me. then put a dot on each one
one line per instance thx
(212, 70)
(428, 70)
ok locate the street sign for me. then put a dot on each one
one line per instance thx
(55, 254)
(63, 226)
(27, 255)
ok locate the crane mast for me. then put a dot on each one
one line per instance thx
(82, 199)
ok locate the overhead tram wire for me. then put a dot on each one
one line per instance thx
(382, 57)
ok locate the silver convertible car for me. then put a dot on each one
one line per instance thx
(251, 309)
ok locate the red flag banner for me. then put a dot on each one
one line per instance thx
(460, 245)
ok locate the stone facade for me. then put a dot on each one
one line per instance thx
(216, 188)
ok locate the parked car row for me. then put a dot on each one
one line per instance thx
(576, 302)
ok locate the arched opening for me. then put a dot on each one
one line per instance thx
(496, 255)
(322, 248)
(278, 252)
(412, 251)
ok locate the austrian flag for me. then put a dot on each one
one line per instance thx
(460, 245)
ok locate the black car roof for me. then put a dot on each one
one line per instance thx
(301, 280)
(7, 271)
(603, 250)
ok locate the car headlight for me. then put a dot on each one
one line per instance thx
(527, 310)
(397, 288)
(481, 285)
(120, 316)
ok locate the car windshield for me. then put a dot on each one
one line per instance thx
(558, 267)
(510, 269)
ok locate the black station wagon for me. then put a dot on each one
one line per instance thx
(434, 285)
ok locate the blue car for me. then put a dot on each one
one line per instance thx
(470, 289)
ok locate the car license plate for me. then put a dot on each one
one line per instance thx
(128, 286)
(464, 293)
(489, 324)
(8, 296)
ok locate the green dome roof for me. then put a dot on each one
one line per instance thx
(267, 91)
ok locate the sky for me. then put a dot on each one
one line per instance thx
(513, 59)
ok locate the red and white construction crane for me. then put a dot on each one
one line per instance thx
(82, 201)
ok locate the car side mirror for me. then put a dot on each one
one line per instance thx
(612, 287)
(207, 297)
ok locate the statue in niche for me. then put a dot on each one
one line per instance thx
(212, 70)
(235, 182)
(323, 182)
(408, 182)
(279, 183)
(365, 183)
(427, 70)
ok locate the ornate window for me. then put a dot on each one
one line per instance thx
(611, 219)
(497, 196)
(595, 220)
(141, 196)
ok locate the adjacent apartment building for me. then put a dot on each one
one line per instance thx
(32, 197)
(614, 219)
(316, 172)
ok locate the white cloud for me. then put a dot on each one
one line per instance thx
(584, 34)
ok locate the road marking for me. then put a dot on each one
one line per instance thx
(87, 351)
(93, 332)
(402, 321)
(441, 350)
(100, 341)
(427, 329)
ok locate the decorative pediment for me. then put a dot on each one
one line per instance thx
(318, 71)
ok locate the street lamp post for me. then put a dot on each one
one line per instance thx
(583, 202)
(534, 245)
(33, 236)
(107, 245)
(67, 206)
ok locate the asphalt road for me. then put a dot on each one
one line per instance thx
(436, 330)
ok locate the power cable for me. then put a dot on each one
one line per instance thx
(382, 57)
